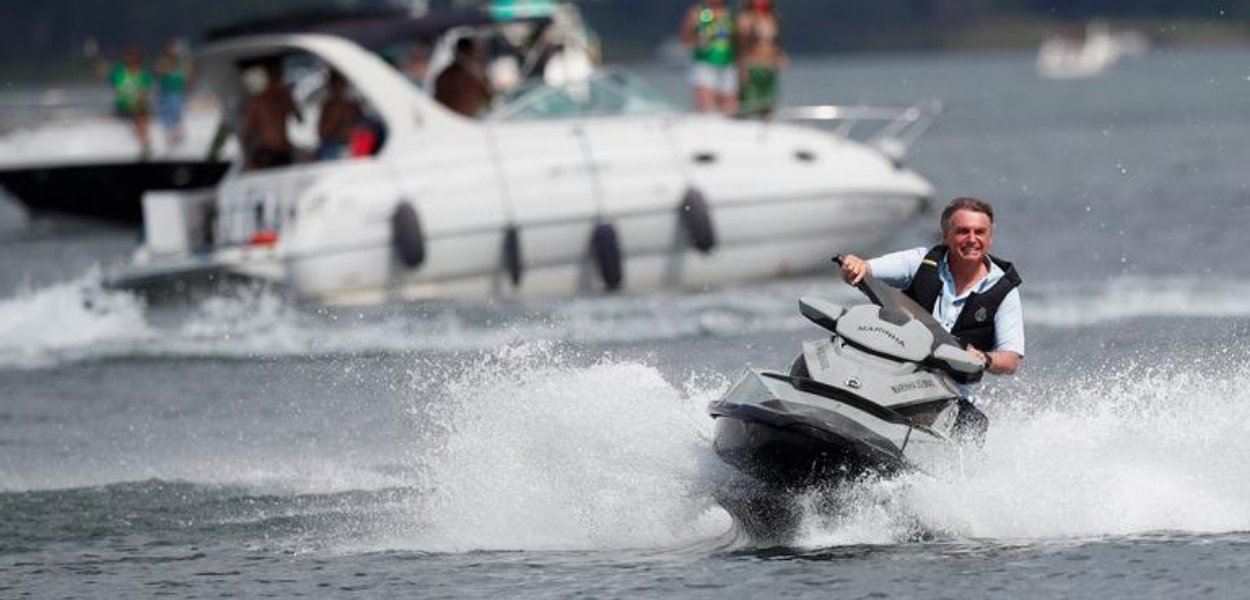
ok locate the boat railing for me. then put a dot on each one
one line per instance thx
(903, 125)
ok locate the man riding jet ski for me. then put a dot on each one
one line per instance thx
(888, 390)
(880, 394)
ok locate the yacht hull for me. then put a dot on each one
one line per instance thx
(107, 191)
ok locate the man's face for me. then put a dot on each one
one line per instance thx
(969, 236)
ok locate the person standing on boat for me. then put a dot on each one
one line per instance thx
(760, 59)
(971, 293)
(265, 139)
(173, 79)
(132, 100)
(708, 31)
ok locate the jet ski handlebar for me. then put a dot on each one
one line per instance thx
(870, 286)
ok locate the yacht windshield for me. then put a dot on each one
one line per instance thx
(605, 93)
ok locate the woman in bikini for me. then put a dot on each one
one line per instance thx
(760, 59)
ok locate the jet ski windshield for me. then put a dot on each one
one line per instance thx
(898, 309)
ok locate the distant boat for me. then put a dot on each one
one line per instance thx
(92, 165)
(1063, 57)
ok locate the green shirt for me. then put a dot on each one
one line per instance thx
(714, 43)
(132, 87)
(174, 81)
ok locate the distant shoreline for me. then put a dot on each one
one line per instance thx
(991, 33)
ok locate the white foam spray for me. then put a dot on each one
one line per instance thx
(68, 321)
(1141, 450)
(540, 454)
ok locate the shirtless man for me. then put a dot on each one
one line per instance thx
(339, 116)
(264, 121)
(463, 86)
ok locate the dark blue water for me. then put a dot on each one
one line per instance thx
(248, 447)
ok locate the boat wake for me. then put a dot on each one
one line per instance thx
(1069, 306)
(80, 321)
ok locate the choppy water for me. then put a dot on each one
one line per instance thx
(248, 447)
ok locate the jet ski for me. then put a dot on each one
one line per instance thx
(878, 395)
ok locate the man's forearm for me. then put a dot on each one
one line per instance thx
(1003, 362)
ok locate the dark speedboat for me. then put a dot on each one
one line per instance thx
(878, 395)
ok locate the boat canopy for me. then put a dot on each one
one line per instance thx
(371, 28)
(400, 106)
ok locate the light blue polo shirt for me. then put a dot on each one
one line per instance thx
(897, 269)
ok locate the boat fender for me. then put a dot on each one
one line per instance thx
(512, 253)
(406, 235)
(696, 219)
(606, 250)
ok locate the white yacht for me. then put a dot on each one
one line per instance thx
(589, 185)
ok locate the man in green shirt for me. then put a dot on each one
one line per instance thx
(132, 87)
(708, 31)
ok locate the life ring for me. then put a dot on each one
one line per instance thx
(512, 254)
(696, 219)
(406, 235)
(606, 251)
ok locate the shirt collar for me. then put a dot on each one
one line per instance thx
(948, 280)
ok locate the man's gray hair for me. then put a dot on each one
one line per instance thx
(965, 203)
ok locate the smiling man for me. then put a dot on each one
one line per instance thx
(971, 293)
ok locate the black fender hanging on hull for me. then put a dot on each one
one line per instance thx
(406, 235)
(512, 254)
(605, 248)
(696, 220)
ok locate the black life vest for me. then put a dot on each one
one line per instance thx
(975, 324)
